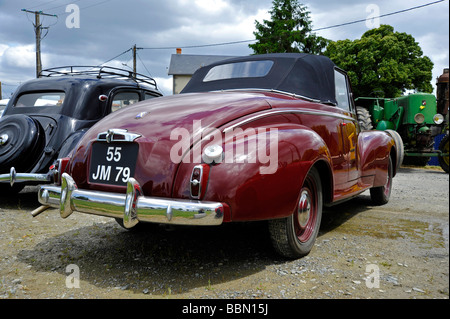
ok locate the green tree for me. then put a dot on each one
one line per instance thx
(289, 30)
(383, 63)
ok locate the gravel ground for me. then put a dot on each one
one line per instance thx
(399, 250)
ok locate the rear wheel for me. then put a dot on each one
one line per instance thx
(294, 236)
(443, 147)
(380, 195)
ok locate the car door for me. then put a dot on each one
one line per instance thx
(348, 128)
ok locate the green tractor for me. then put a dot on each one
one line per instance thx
(418, 118)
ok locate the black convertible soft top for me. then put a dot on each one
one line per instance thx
(310, 76)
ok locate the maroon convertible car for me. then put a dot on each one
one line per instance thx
(266, 137)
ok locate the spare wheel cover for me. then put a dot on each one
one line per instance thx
(21, 139)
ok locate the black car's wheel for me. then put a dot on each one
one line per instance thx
(294, 236)
(380, 195)
(21, 141)
(443, 147)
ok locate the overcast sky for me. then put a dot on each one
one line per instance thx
(109, 27)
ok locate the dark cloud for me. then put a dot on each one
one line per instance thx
(110, 27)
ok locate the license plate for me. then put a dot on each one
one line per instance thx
(112, 163)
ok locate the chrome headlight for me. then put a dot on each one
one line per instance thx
(438, 119)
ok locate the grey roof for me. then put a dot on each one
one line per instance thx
(187, 64)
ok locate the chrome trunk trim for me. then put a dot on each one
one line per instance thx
(117, 135)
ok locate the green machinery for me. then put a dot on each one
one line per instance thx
(417, 119)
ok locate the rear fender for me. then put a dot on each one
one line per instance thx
(375, 149)
(397, 151)
(263, 181)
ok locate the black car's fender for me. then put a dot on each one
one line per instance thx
(70, 143)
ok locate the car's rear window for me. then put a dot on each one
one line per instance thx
(250, 69)
(40, 99)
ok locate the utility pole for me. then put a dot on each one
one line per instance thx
(134, 49)
(37, 29)
(134, 61)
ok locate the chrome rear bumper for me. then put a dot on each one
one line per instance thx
(132, 206)
(14, 177)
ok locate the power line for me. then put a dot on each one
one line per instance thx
(199, 46)
(116, 56)
(380, 16)
(95, 4)
(63, 5)
(82, 8)
(319, 29)
(66, 4)
(42, 4)
(248, 41)
(159, 88)
(144, 64)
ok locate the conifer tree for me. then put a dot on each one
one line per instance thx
(288, 30)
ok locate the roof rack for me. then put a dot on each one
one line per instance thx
(101, 72)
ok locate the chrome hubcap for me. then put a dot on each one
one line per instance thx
(304, 209)
(3, 139)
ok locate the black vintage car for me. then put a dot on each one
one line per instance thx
(47, 116)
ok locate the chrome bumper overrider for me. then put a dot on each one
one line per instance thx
(132, 206)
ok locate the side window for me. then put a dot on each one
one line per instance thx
(340, 81)
(124, 99)
(149, 96)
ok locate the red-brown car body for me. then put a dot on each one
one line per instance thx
(313, 134)
(308, 134)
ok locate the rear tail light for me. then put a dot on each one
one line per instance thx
(58, 168)
(199, 181)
